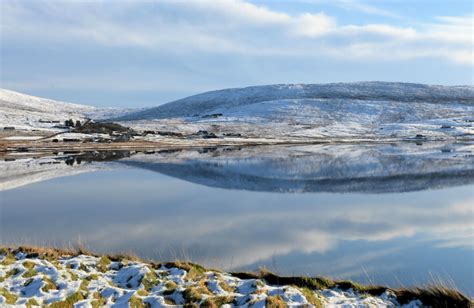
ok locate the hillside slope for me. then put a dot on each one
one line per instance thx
(330, 112)
(24, 111)
(209, 102)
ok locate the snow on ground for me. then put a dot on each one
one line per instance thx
(23, 111)
(337, 112)
(244, 98)
(23, 137)
(85, 281)
(333, 112)
(329, 119)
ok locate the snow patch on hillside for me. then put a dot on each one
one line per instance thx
(207, 103)
(23, 111)
(338, 112)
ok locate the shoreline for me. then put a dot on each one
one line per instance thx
(36, 276)
(174, 143)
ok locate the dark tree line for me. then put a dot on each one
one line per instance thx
(70, 123)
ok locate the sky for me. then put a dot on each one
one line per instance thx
(137, 54)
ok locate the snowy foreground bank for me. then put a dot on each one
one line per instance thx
(43, 277)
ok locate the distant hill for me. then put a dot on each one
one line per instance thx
(246, 101)
(337, 112)
(26, 111)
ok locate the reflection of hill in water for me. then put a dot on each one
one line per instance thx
(320, 168)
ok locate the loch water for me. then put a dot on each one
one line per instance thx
(391, 214)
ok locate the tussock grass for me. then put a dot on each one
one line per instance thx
(31, 302)
(29, 265)
(171, 285)
(136, 302)
(217, 301)
(149, 280)
(103, 264)
(431, 296)
(48, 285)
(192, 295)
(13, 272)
(9, 297)
(124, 258)
(224, 286)
(98, 300)
(29, 273)
(275, 302)
(69, 301)
(42, 252)
(193, 270)
(436, 295)
(311, 298)
(317, 283)
(8, 260)
(142, 292)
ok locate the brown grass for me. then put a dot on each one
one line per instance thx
(433, 295)
(275, 302)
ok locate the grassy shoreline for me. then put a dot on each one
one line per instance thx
(85, 278)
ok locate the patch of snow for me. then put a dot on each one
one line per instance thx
(23, 111)
(116, 286)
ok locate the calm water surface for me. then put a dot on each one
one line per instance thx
(385, 234)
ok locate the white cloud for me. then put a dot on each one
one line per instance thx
(387, 31)
(237, 27)
(314, 25)
(364, 8)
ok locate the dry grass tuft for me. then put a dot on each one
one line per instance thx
(31, 303)
(10, 298)
(124, 257)
(149, 280)
(43, 252)
(103, 264)
(275, 302)
(434, 296)
(217, 301)
(48, 285)
(68, 302)
(135, 302)
(311, 298)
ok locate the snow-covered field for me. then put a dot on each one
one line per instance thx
(90, 281)
(363, 111)
(28, 112)
(339, 112)
(244, 98)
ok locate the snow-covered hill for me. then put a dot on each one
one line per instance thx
(369, 111)
(290, 96)
(26, 111)
(337, 112)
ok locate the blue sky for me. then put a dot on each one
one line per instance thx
(128, 53)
